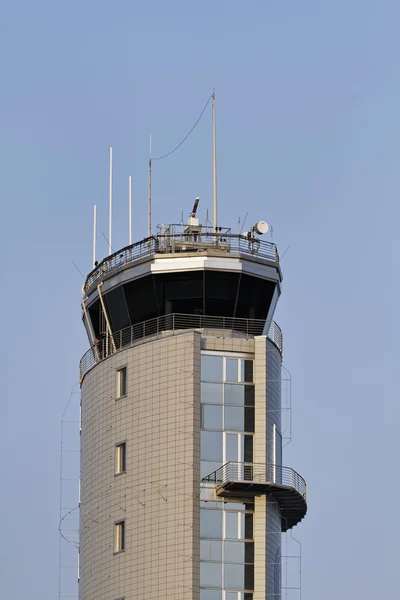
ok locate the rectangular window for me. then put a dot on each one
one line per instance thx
(120, 458)
(121, 382)
(211, 368)
(211, 417)
(119, 536)
(211, 445)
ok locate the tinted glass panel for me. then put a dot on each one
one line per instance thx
(248, 418)
(212, 417)
(211, 524)
(211, 595)
(231, 447)
(249, 395)
(248, 371)
(231, 525)
(234, 552)
(249, 552)
(211, 445)
(248, 448)
(208, 467)
(249, 577)
(233, 394)
(248, 526)
(234, 577)
(210, 550)
(211, 393)
(211, 368)
(232, 370)
(211, 574)
(233, 418)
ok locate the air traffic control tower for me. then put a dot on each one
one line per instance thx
(183, 491)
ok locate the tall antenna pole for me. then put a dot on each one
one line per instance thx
(149, 201)
(130, 209)
(214, 164)
(110, 216)
(94, 234)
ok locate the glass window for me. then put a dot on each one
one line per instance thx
(234, 394)
(249, 577)
(232, 369)
(234, 552)
(211, 393)
(249, 395)
(231, 525)
(119, 536)
(210, 594)
(211, 445)
(233, 577)
(211, 574)
(231, 447)
(210, 550)
(121, 382)
(211, 417)
(249, 418)
(211, 367)
(233, 418)
(120, 458)
(248, 371)
(208, 467)
(248, 449)
(248, 526)
(249, 553)
(211, 524)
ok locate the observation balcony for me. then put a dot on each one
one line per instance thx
(185, 241)
(241, 480)
(169, 324)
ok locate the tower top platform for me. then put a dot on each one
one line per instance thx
(185, 240)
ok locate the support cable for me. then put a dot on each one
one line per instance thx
(187, 135)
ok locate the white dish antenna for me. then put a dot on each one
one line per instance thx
(261, 227)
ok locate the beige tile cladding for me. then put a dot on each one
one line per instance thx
(158, 495)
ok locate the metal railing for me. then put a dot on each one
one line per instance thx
(177, 243)
(257, 473)
(243, 328)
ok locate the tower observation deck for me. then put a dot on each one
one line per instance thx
(183, 491)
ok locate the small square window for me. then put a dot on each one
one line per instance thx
(121, 382)
(119, 536)
(120, 458)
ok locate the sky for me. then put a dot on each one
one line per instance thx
(308, 127)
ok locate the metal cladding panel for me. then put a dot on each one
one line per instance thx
(157, 497)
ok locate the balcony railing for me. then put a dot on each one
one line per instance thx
(242, 328)
(235, 472)
(244, 481)
(226, 243)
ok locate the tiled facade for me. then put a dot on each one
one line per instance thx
(158, 495)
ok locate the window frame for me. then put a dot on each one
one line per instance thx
(119, 538)
(121, 382)
(118, 459)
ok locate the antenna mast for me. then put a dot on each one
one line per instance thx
(130, 209)
(110, 215)
(214, 164)
(149, 201)
(94, 234)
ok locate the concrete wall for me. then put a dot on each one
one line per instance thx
(158, 496)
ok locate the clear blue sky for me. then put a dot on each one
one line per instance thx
(308, 106)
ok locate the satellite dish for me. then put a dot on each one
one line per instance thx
(261, 227)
